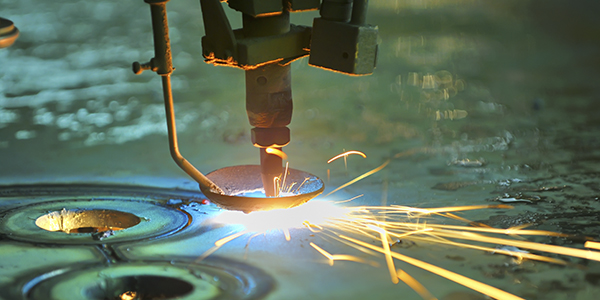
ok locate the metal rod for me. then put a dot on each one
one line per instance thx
(163, 66)
(174, 147)
(359, 12)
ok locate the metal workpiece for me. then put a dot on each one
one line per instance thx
(162, 64)
(269, 96)
(84, 222)
(8, 33)
(179, 278)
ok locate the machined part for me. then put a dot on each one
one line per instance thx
(160, 29)
(262, 40)
(283, 49)
(359, 12)
(341, 41)
(259, 8)
(8, 33)
(336, 10)
(269, 105)
(269, 96)
(253, 26)
(270, 137)
(219, 42)
(302, 5)
(344, 47)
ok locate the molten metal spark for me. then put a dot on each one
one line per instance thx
(592, 245)
(468, 282)
(345, 154)
(277, 152)
(129, 295)
(385, 242)
(415, 285)
(351, 226)
(373, 230)
(333, 258)
(363, 176)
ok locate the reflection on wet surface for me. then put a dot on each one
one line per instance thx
(475, 102)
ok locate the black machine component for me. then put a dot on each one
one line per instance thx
(266, 45)
(264, 48)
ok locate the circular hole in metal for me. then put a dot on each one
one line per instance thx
(345, 55)
(144, 218)
(86, 221)
(140, 287)
(184, 279)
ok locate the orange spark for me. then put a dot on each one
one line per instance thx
(415, 285)
(353, 198)
(332, 258)
(592, 245)
(465, 281)
(587, 254)
(387, 252)
(220, 243)
(277, 152)
(345, 154)
(363, 176)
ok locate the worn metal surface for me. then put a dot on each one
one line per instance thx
(510, 84)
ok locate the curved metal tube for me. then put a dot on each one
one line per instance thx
(174, 147)
(163, 66)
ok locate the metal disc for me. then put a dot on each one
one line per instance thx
(238, 180)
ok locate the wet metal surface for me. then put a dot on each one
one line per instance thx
(475, 102)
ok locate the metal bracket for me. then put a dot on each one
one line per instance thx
(223, 46)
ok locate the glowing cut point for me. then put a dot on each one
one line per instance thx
(313, 212)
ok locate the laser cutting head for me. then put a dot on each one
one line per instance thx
(264, 49)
